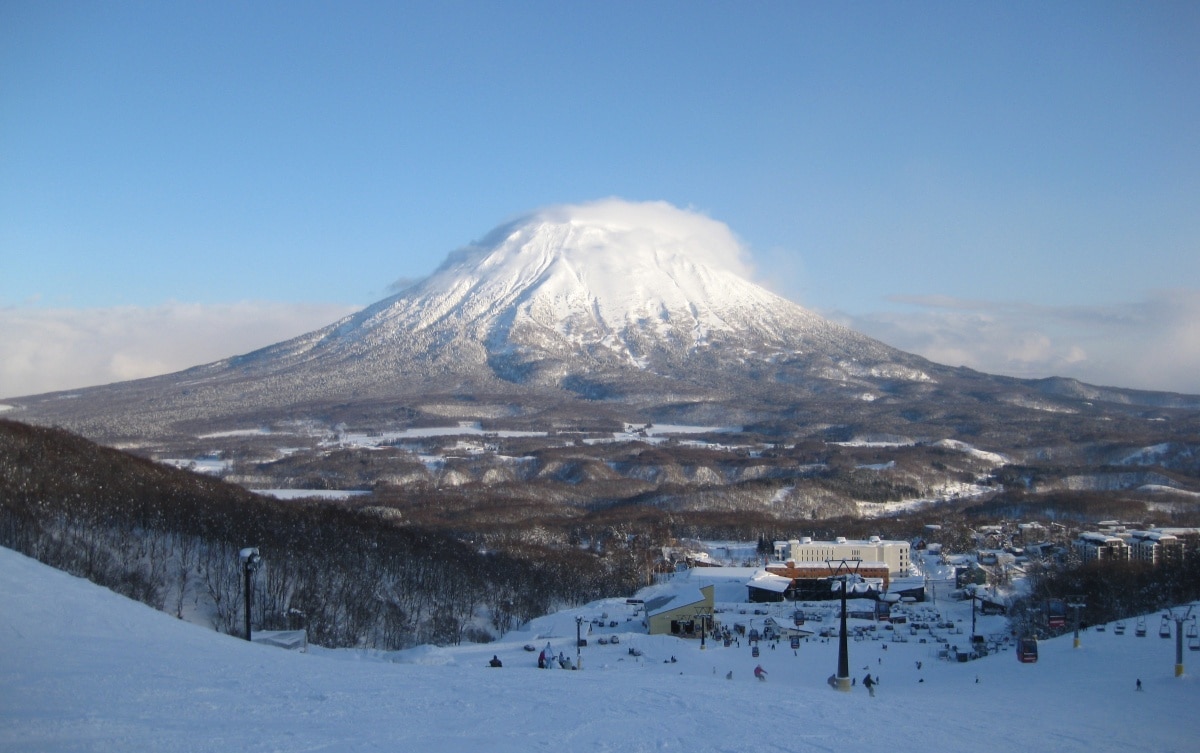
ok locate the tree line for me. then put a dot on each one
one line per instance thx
(349, 577)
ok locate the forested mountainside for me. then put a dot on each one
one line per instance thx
(351, 576)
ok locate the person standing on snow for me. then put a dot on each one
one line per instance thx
(760, 673)
(870, 684)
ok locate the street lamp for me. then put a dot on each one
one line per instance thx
(250, 561)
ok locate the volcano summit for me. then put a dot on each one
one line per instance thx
(588, 295)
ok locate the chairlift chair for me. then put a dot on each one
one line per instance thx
(1164, 628)
(1027, 650)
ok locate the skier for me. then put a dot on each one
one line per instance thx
(1139, 683)
(760, 673)
(870, 684)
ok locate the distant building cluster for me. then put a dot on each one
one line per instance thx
(1111, 541)
(1115, 542)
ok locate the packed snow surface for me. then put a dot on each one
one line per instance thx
(82, 669)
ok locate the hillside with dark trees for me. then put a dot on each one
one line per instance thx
(350, 576)
(413, 564)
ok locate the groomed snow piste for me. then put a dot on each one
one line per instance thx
(82, 669)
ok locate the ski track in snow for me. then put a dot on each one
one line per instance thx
(82, 669)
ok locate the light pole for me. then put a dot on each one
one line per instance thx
(250, 561)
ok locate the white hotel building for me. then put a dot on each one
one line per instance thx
(894, 554)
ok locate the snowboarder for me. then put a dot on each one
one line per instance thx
(760, 673)
(870, 684)
(495, 662)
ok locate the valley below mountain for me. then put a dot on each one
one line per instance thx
(612, 355)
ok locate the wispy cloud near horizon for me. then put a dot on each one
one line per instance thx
(52, 349)
(1152, 344)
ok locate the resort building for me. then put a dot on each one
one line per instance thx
(875, 552)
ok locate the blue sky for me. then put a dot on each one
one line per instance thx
(1011, 186)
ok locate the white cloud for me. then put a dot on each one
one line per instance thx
(671, 229)
(1150, 344)
(44, 350)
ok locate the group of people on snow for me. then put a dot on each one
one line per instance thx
(546, 659)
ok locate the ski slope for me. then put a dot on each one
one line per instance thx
(82, 669)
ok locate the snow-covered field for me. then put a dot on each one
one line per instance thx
(82, 669)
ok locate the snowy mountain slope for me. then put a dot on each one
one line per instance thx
(604, 312)
(84, 669)
(605, 286)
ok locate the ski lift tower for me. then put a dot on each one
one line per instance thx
(578, 641)
(1180, 617)
(250, 561)
(845, 576)
(1077, 603)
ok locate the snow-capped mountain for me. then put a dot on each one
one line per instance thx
(611, 309)
(573, 290)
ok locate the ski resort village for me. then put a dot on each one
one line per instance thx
(609, 377)
(589, 488)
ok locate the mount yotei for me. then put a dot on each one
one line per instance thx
(574, 323)
(643, 304)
